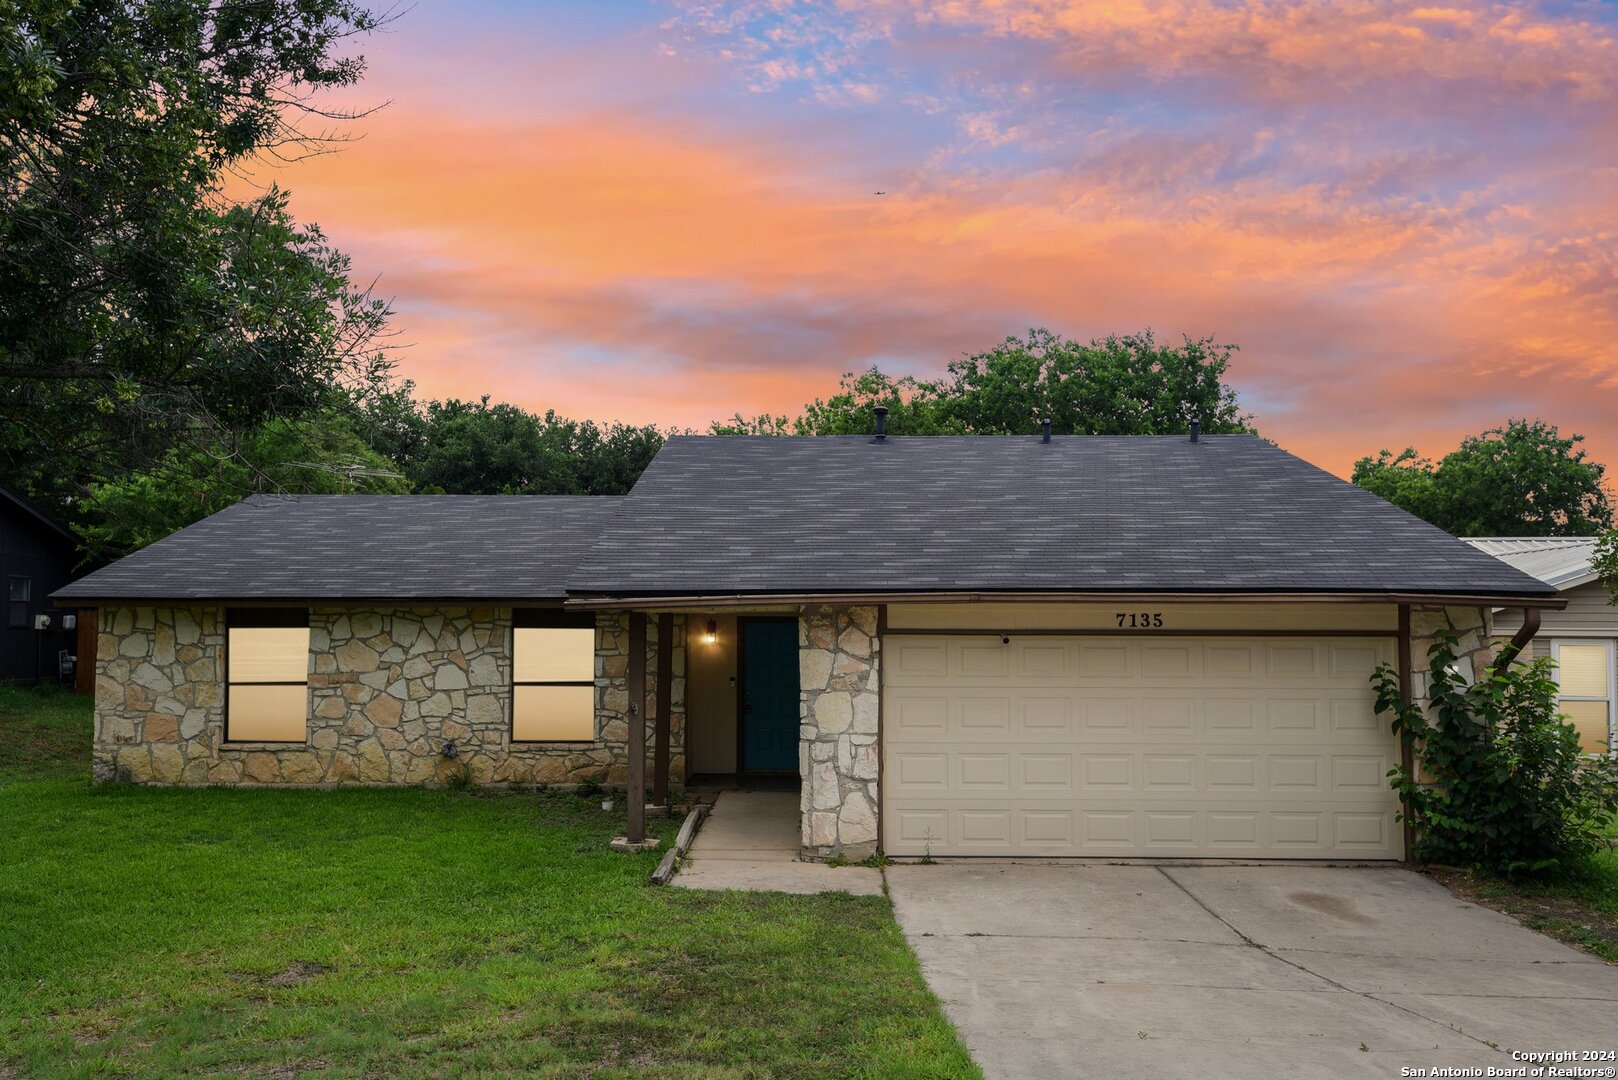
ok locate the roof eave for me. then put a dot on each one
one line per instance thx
(392, 600)
(1575, 581)
(688, 601)
(676, 601)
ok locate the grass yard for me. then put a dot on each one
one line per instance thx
(152, 932)
(44, 735)
(1579, 907)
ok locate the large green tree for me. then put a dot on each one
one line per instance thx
(475, 448)
(146, 320)
(314, 455)
(1121, 385)
(1522, 479)
(1606, 562)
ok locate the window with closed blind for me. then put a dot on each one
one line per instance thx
(1584, 672)
(553, 677)
(19, 594)
(267, 675)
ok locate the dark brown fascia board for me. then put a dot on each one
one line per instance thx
(1549, 601)
(318, 601)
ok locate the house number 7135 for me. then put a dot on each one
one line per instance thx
(1139, 620)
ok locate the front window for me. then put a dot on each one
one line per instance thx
(553, 677)
(19, 594)
(1584, 670)
(267, 663)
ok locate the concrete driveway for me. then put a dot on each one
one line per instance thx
(1114, 971)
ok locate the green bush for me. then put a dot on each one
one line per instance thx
(1500, 781)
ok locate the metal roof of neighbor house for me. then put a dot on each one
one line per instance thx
(727, 516)
(1562, 561)
(374, 547)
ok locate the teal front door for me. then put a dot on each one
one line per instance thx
(769, 695)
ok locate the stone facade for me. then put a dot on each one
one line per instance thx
(388, 687)
(1475, 650)
(840, 687)
(160, 695)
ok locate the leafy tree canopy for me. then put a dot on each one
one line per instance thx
(146, 320)
(1523, 479)
(319, 455)
(477, 448)
(1606, 562)
(1128, 385)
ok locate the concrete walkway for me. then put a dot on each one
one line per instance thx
(750, 841)
(1086, 970)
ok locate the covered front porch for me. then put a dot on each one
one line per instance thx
(784, 697)
(751, 839)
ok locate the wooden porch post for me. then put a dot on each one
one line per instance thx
(665, 708)
(84, 675)
(637, 727)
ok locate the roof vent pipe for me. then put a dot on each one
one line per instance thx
(881, 412)
(1044, 431)
(1196, 428)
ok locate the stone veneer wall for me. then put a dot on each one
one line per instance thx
(388, 686)
(840, 684)
(1470, 626)
(160, 697)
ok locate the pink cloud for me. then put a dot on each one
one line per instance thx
(678, 254)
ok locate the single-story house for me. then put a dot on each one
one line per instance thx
(1087, 646)
(1582, 637)
(38, 555)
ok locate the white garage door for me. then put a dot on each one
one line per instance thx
(1224, 747)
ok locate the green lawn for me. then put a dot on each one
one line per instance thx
(44, 734)
(1579, 906)
(155, 932)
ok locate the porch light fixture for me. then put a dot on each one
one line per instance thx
(712, 635)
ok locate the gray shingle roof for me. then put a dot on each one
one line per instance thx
(816, 515)
(1091, 514)
(1562, 561)
(398, 547)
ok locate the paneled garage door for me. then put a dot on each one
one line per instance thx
(1171, 746)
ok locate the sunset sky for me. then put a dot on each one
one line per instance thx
(1406, 216)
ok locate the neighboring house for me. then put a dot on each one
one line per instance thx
(37, 557)
(1582, 637)
(963, 646)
